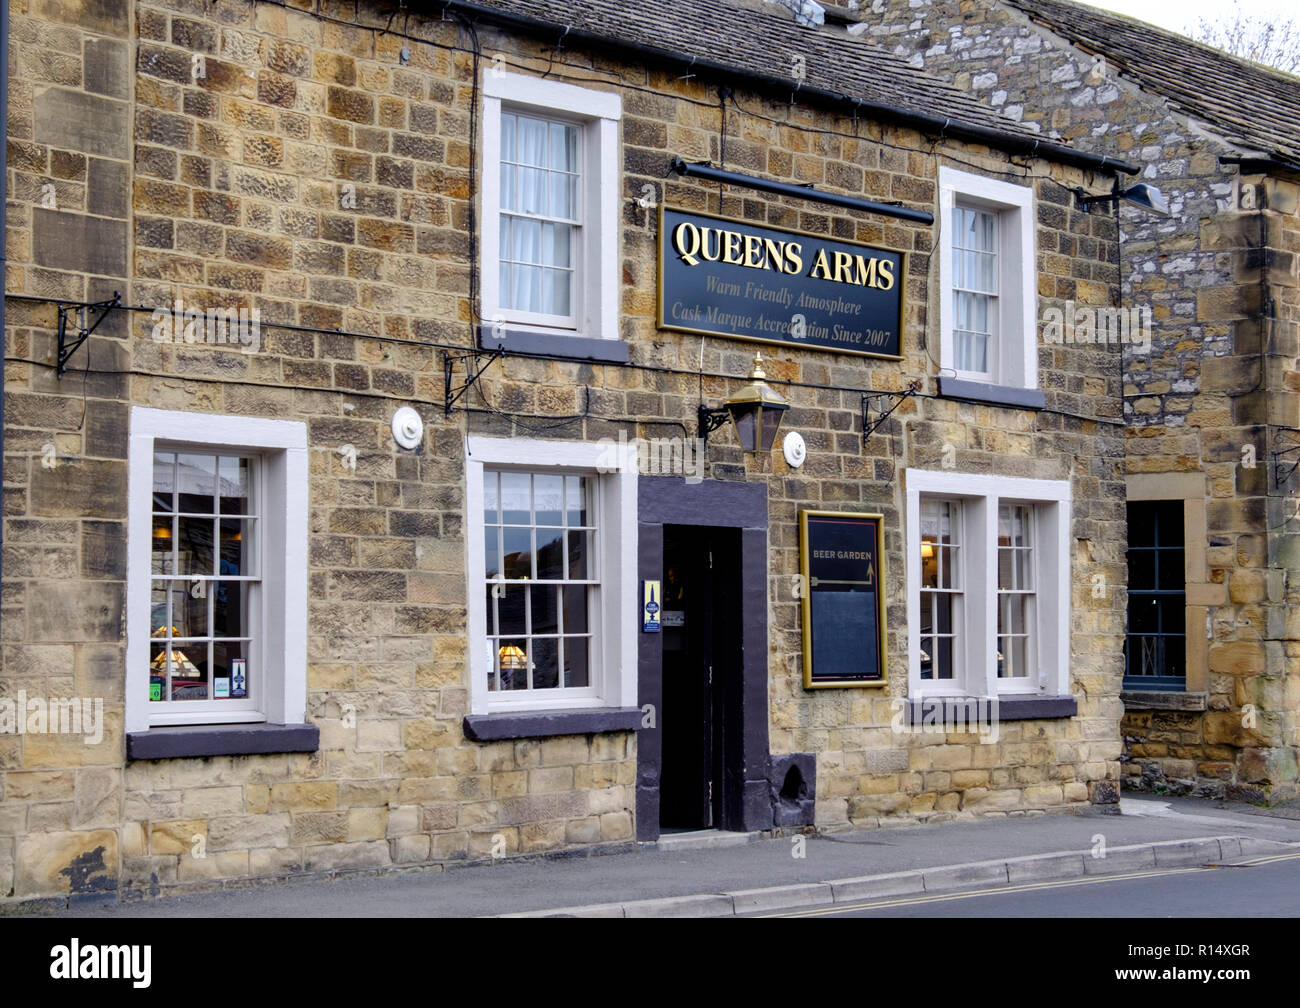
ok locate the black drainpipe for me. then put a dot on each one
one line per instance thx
(4, 245)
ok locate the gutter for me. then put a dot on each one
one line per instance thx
(1263, 165)
(922, 121)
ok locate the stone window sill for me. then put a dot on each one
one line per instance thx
(221, 740)
(1163, 700)
(553, 345)
(1009, 708)
(996, 395)
(542, 724)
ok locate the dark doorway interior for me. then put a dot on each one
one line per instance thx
(701, 628)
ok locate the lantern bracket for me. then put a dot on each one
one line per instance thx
(473, 372)
(877, 404)
(710, 420)
(69, 345)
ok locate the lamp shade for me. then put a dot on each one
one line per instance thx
(756, 410)
(1147, 197)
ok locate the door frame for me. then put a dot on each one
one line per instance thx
(670, 500)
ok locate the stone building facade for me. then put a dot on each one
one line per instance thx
(282, 593)
(1211, 705)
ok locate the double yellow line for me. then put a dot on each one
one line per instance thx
(921, 900)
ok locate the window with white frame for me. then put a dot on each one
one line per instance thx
(988, 273)
(941, 588)
(551, 549)
(1016, 599)
(988, 584)
(541, 581)
(550, 206)
(216, 571)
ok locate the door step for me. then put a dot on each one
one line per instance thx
(706, 838)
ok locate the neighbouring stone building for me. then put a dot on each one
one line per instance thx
(1212, 685)
(327, 550)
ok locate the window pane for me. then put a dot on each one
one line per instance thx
(575, 609)
(518, 548)
(579, 550)
(229, 608)
(546, 663)
(548, 499)
(509, 176)
(532, 191)
(516, 502)
(164, 481)
(234, 486)
(508, 126)
(943, 658)
(545, 608)
(512, 656)
(237, 547)
(510, 611)
(1169, 570)
(555, 249)
(555, 291)
(194, 538)
(196, 482)
(490, 506)
(575, 493)
(492, 554)
(531, 140)
(1141, 569)
(230, 680)
(527, 288)
(550, 554)
(576, 671)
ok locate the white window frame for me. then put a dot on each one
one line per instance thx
(980, 496)
(1015, 343)
(613, 655)
(595, 253)
(279, 656)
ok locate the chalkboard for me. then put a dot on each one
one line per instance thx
(842, 593)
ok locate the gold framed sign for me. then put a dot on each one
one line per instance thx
(731, 278)
(842, 582)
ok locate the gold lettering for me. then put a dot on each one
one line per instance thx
(704, 245)
(820, 267)
(886, 275)
(775, 255)
(843, 268)
(793, 258)
(754, 252)
(687, 229)
(866, 276)
(732, 251)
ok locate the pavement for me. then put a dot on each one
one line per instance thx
(713, 874)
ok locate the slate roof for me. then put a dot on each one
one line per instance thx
(1252, 106)
(752, 36)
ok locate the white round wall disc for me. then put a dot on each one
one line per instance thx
(795, 450)
(408, 428)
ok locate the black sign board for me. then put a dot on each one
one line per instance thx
(729, 278)
(843, 598)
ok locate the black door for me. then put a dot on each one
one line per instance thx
(701, 666)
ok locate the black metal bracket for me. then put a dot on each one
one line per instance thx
(1279, 478)
(67, 346)
(710, 420)
(473, 372)
(869, 425)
